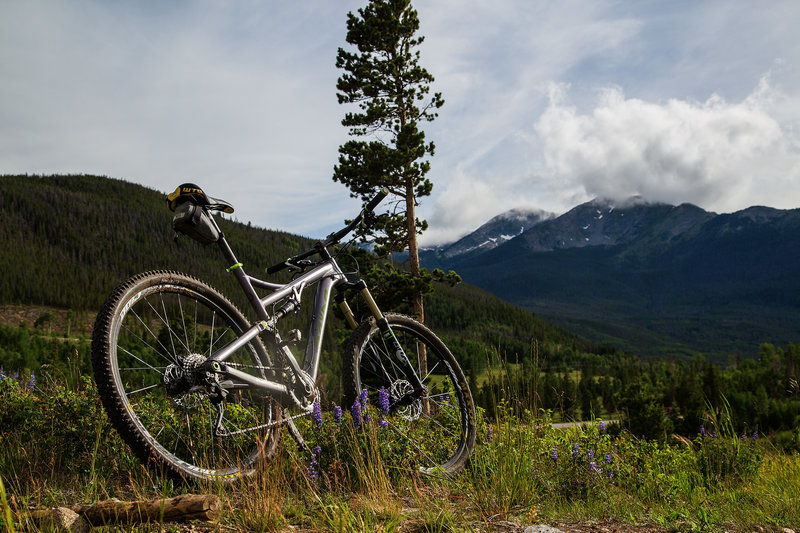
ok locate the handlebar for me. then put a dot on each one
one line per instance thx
(333, 238)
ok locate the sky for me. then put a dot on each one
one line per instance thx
(547, 103)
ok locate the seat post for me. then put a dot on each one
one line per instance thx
(244, 280)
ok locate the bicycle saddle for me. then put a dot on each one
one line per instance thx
(192, 193)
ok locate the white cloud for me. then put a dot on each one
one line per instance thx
(239, 96)
(720, 155)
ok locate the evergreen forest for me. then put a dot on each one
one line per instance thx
(69, 240)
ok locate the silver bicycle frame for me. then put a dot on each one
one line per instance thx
(328, 274)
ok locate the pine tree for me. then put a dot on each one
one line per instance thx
(392, 92)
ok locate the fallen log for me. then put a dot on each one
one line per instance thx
(183, 508)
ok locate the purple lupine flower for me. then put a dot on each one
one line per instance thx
(703, 431)
(609, 458)
(316, 414)
(714, 434)
(2, 373)
(554, 453)
(32, 382)
(602, 427)
(593, 468)
(575, 451)
(383, 400)
(363, 398)
(337, 415)
(312, 467)
(590, 454)
(312, 470)
(755, 434)
(384, 423)
(488, 433)
(744, 436)
(355, 411)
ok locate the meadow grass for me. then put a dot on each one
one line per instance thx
(57, 449)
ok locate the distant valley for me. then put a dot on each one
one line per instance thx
(653, 278)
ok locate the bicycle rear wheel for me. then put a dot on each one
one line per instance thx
(148, 344)
(432, 435)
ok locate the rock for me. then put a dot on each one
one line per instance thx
(60, 519)
(541, 528)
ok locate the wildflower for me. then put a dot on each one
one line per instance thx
(744, 436)
(703, 431)
(355, 410)
(755, 434)
(590, 454)
(32, 382)
(488, 433)
(316, 414)
(312, 470)
(312, 467)
(602, 427)
(593, 468)
(554, 454)
(609, 458)
(383, 400)
(337, 415)
(363, 398)
(575, 451)
(384, 423)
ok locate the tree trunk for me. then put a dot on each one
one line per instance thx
(413, 264)
(413, 249)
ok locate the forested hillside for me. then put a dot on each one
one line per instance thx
(69, 240)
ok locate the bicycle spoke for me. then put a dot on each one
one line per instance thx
(183, 323)
(144, 389)
(140, 360)
(413, 442)
(166, 357)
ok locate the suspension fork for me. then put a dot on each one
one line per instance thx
(385, 330)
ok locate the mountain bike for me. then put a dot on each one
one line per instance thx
(195, 387)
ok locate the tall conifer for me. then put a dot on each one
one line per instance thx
(382, 76)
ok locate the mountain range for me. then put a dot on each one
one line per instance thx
(653, 278)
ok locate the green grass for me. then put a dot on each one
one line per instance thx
(57, 449)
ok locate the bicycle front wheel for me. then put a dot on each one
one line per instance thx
(434, 434)
(148, 345)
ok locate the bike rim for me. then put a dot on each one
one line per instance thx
(157, 328)
(430, 434)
